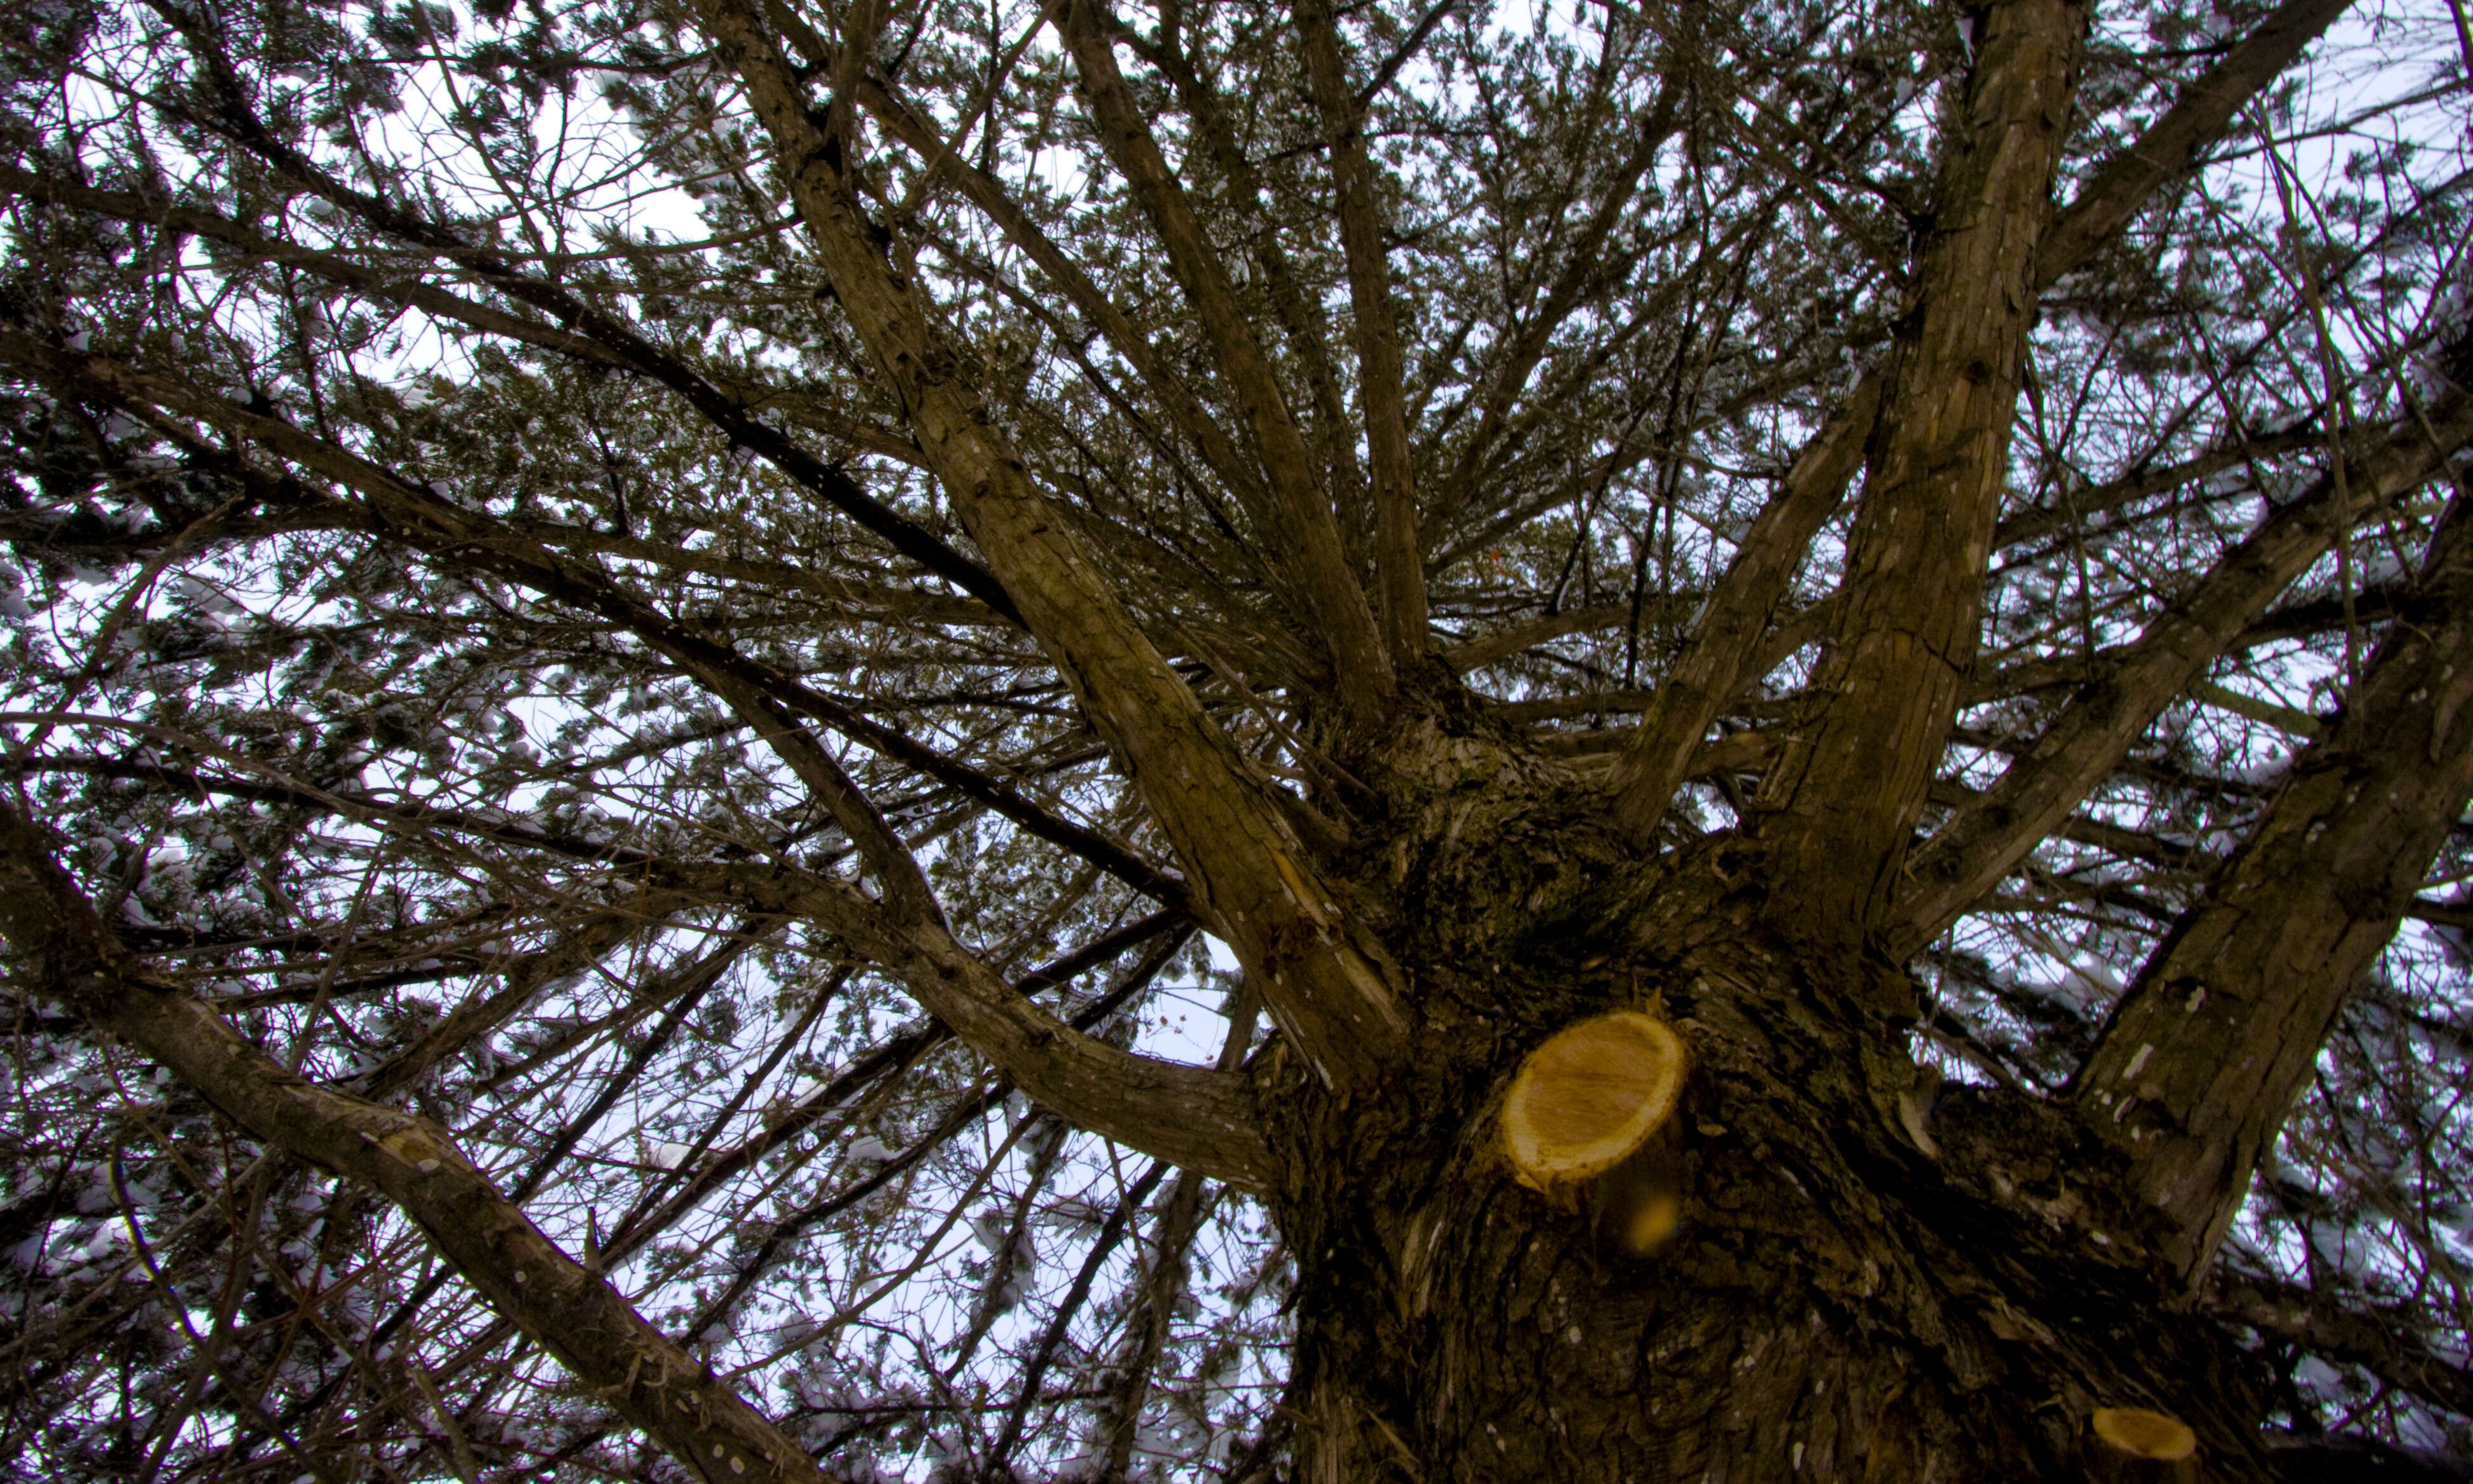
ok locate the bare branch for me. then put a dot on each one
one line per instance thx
(573, 1312)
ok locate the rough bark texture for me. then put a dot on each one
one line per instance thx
(1870, 1282)
(2205, 1054)
(1845, 798)
(1872, 1277)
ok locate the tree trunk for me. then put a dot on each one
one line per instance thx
(1834, 1304)
(1873, 1277)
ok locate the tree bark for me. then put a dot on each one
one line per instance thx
(1852, 783)
(1870, 1278)
(2208, 1050)
(1837, 1304)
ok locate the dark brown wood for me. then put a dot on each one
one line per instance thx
(1299, 515)
(2204, 1057)
(1843, 801)
(572, 1311)
(1399, 551)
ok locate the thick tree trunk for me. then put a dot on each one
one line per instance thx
(1873, 1277)
(1836, 1303)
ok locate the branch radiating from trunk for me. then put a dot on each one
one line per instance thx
(1299, 515)
(1399, 550)
(1712, 664)
(1251, 877)
(400, 509)
(572, 1311)
(2206, 1053)
(1196, 1120)
(1186, 412)
(1840, 805)
(2174, 142)
(228, 116)
(2081, 747)
(1195, 1116)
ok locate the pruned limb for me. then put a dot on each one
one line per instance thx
(2130, 1445)
(1589, 1097)
(1984, 840)
(1590, 1118)
(574, 1313)
(2205, 1054)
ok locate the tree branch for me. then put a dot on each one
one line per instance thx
(402, 509)
(574, 1313)
(1299, 515)
(2174, 143)
(2194, 1073)
(994, 201)
(1251, 877)
(230, 118)
(1841, 803)
(1399, 551)
(2082, 745)
(1710, 669)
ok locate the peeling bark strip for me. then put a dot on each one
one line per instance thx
(575, 1314)
(1256, 883)
(1843, 801)
(2208, 1050)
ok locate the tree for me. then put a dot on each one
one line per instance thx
(1811, 658)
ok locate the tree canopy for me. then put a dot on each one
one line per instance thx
(697, 691)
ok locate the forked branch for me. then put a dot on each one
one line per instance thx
(1843, 801)
(1713, 663)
